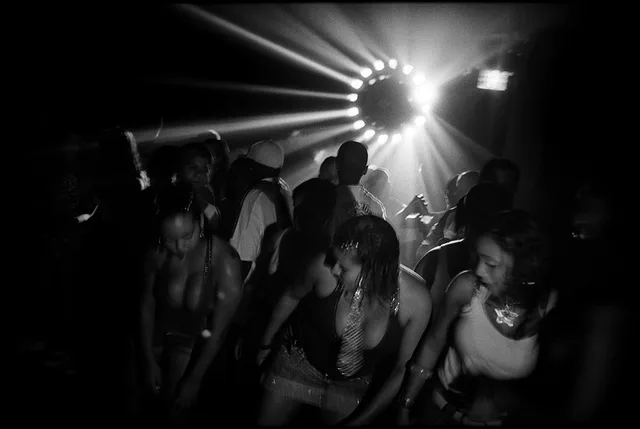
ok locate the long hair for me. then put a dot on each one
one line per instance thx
(378, 253)
(518, 234)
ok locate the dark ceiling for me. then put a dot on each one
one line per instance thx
(94, 66)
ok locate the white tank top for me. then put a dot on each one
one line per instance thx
(480, 349)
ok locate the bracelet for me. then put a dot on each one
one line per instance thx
(420, 371)
(267, 347)
(405, 402)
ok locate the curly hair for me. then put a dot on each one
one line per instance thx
(518, 234)
(378, 253)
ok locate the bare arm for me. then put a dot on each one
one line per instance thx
(418, 306)
(290, 300)
(229, 294)
(426, 357)
(148, 306)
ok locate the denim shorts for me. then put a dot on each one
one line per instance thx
(292, 376)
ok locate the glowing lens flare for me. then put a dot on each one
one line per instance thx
(352, 97)
(369, 133)
(358, 124)
(353, 111)
(418, 78)
(396, 138)
(393, 63)
(425, 93)
(378, 65)
(366, 72)
(356, 83)
(420, 120)
(407, 69)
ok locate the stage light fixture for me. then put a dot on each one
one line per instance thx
(418, 78)
(366, 72)
(393, 63)
(372, 81)
(382, 138)
(358, 124)
(352, 97)
(425, 93)
(353, 111)
(407, 69)
(396, 138)
(420, 120)
(378, 65)
(356, 84)
(369, 133)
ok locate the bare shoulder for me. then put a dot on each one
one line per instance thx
(222, 251)
(414, 295)
(462, 287)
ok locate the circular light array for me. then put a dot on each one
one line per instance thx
(393, 101)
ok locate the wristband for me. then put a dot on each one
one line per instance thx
(420, 371)
(405, 402)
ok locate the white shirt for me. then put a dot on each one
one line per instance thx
(256, 214)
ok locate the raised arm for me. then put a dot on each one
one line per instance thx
(416, 304)
(426, 356)
(288, 303)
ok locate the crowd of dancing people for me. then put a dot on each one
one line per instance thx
(195, 287)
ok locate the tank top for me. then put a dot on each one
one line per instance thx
(313, 327)
(480, 349)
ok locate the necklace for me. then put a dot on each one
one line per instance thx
(506, 314)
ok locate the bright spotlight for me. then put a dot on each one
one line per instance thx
(420, 120)
(409, 131)
(366, 72)
(356, 84)
(353, 111)
(425, 93)
(352, 97)
(369, 133)
(396, 138)
(378, 65)
(358, 124)
(426, 108)
(418, 78)
(382, 138)
(407, 69)
(393, 63)
(372, 81)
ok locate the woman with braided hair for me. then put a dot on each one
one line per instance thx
(352, 310)
(192, 288)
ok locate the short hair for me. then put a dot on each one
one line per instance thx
(351, 161)
(378, 252)
(326, 164)
(480, 204)
(489, 172)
